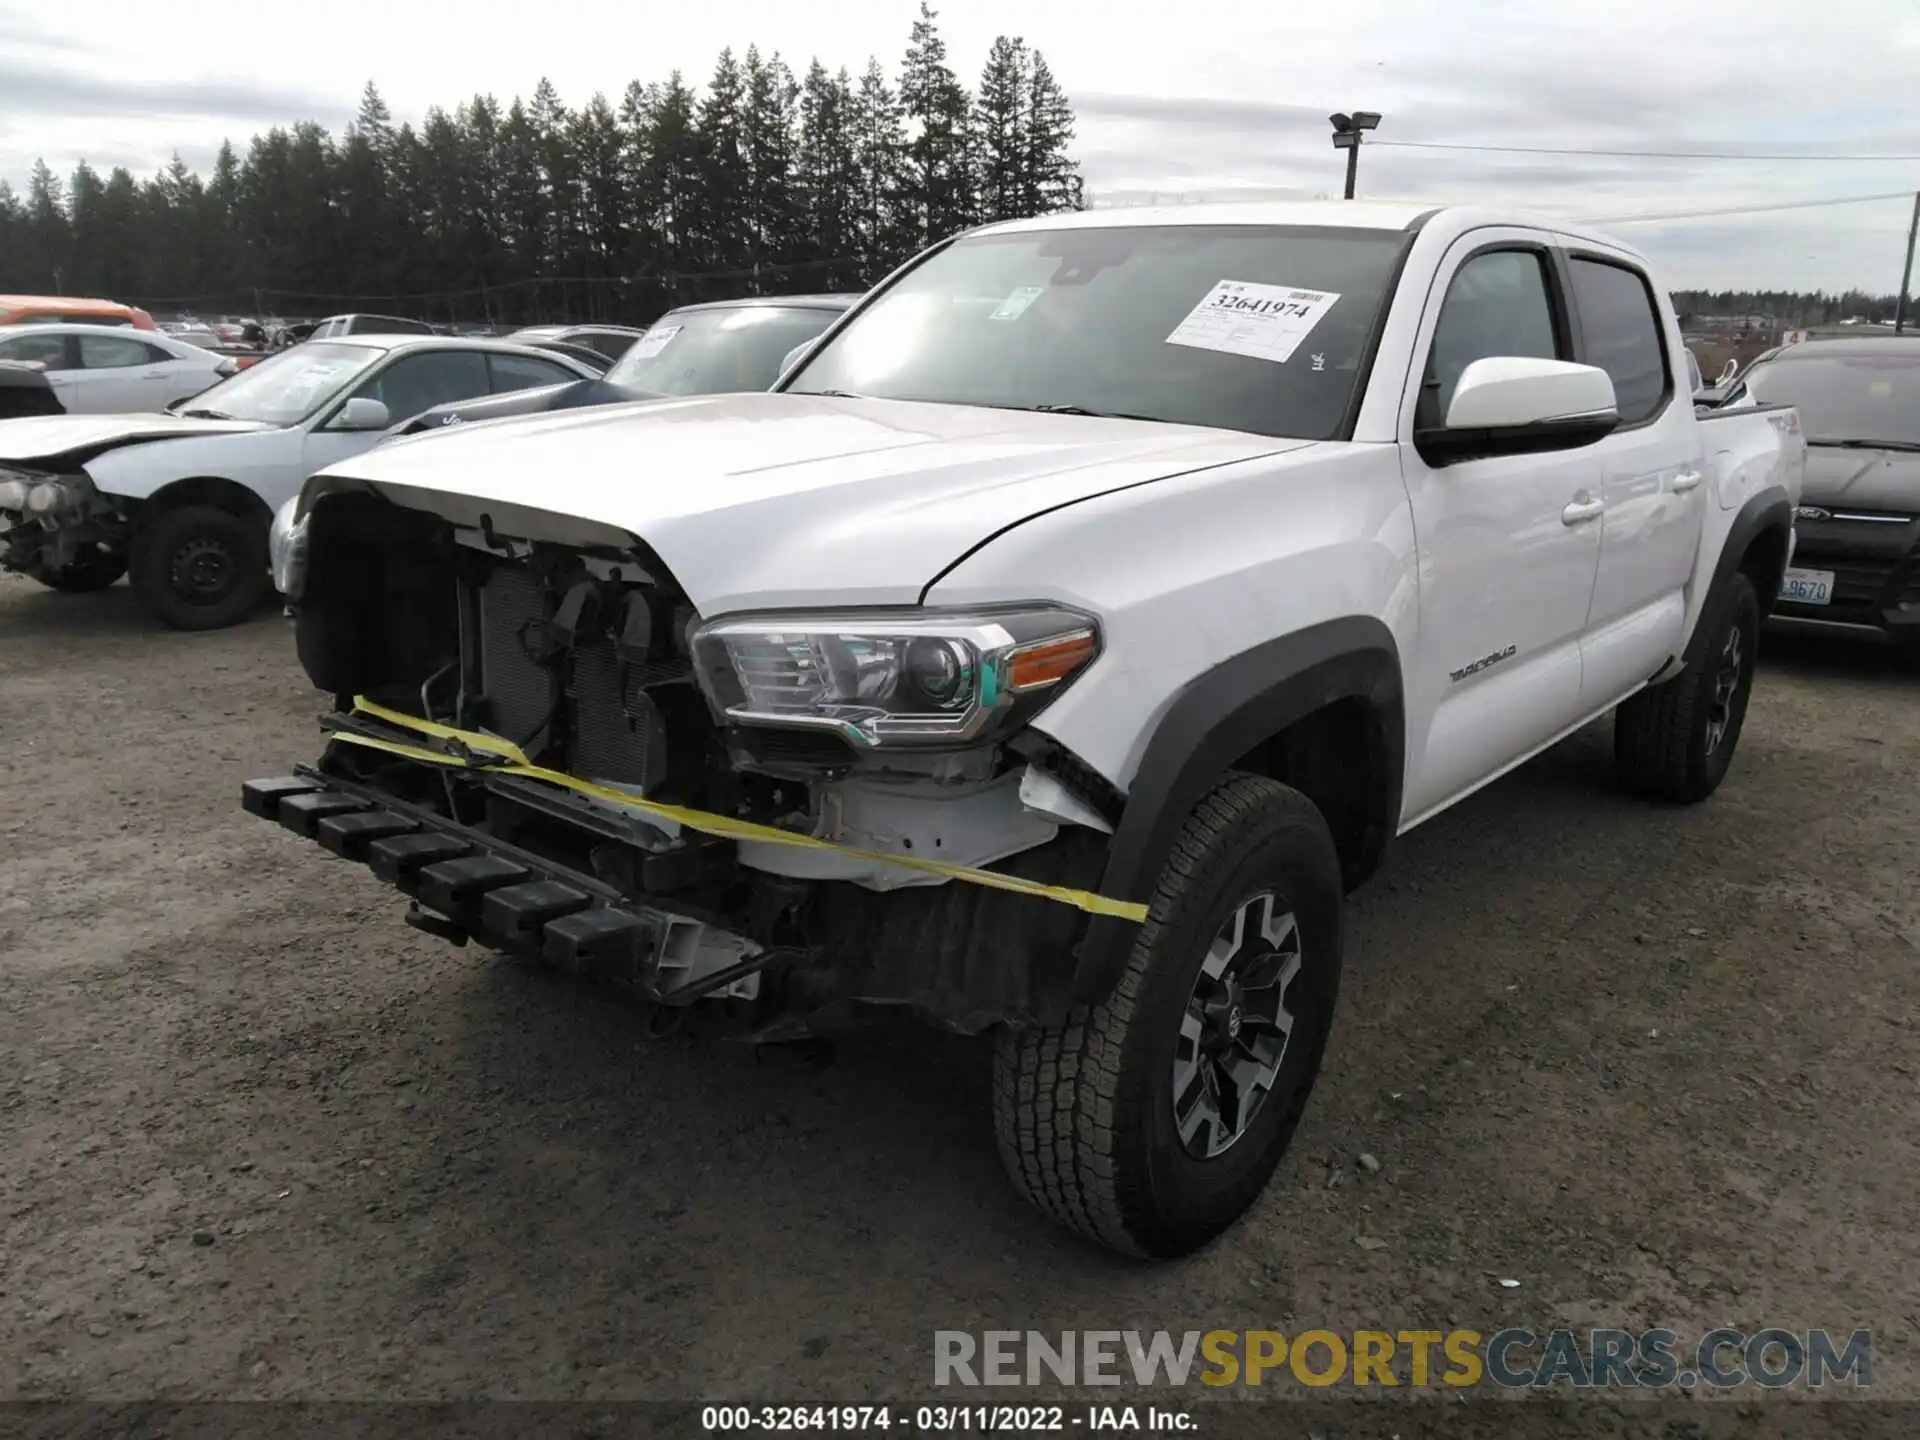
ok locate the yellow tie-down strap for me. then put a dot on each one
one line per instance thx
(502, 757)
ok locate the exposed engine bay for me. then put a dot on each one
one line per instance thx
(585, 660)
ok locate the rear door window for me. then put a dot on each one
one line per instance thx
(1620, 332)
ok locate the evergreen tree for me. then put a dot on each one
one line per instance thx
(1051, 179)
(599, 148)
(937, 190)
(13, 225)
(756, 182)
(84, 193)
(48, 235)
(559, 181)
(721, 229)
(522, 197)
(773, 208)
(673, 175)
(827, 169)
(1000, 142)
(885, 226)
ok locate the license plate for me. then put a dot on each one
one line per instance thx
(1807, 587)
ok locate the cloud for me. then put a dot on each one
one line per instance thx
(17, 29)
(31, 91)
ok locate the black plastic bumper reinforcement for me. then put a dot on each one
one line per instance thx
(467, 885)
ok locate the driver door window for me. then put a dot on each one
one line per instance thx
(423, 380)
(1499, 303)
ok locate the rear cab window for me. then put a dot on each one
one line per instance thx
(1621, 332)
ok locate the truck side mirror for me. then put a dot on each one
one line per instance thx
(1520, 405)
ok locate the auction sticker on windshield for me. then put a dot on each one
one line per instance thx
(654, 341)
(1262, 322)
(1015, 305)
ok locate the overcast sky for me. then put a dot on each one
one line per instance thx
(1207, 98)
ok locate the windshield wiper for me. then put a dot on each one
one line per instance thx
(1868, 444)
(205, 415)
(833, 394)
(1083, 410)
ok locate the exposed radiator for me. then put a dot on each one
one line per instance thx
(595, 731)
(520, 693)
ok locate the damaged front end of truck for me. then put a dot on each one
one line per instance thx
(791, 818)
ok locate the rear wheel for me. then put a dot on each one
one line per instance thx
(91, 569)
(1676, 740)
(200, 568)
(1150, 1122)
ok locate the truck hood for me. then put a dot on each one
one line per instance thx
(768, 500)
(81, 437)
(1859, 479)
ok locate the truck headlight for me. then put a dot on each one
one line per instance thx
(13, 494)
(287, 550)
(893, 678)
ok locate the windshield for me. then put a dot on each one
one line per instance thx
(1253, 328)
(285, 389)
(713, 352)
(1845, 397)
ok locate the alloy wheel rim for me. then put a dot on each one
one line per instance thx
(1726, 685)
(1236, 1026)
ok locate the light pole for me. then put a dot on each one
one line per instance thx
(1900, 306)
(1346, 136)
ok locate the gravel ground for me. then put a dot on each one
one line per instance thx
(260, 1140)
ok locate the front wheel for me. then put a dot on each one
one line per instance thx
(1151, 1121)
(1675, 741)
(200, 568)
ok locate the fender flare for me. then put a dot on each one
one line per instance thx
(1217, 718)
(1771, 509)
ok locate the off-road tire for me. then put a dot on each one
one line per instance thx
(1084, 1111)
(1662, 737)
(168, 547)
(92, 569)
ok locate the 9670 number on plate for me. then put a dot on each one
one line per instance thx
(1807, 587)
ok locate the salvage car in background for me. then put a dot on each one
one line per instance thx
(183, 501)
(1163, 565)
(732, 345)
(612, 341)
(24, 391)
(335, 326)
(707, 349)
(1857, 563)
(100, 371)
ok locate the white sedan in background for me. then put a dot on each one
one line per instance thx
(181, 502)
(97, 370)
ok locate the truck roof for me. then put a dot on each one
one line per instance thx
(1403, 215)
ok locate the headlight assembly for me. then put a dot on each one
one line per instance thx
(893, 678)
(13, 494)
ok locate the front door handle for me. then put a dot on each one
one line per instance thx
(1581, 511)
(1685, 481)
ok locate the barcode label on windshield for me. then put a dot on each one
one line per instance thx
(1262, 322)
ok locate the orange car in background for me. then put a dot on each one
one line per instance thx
(25, 309)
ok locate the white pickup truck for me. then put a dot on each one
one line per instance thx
(1160, 565)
